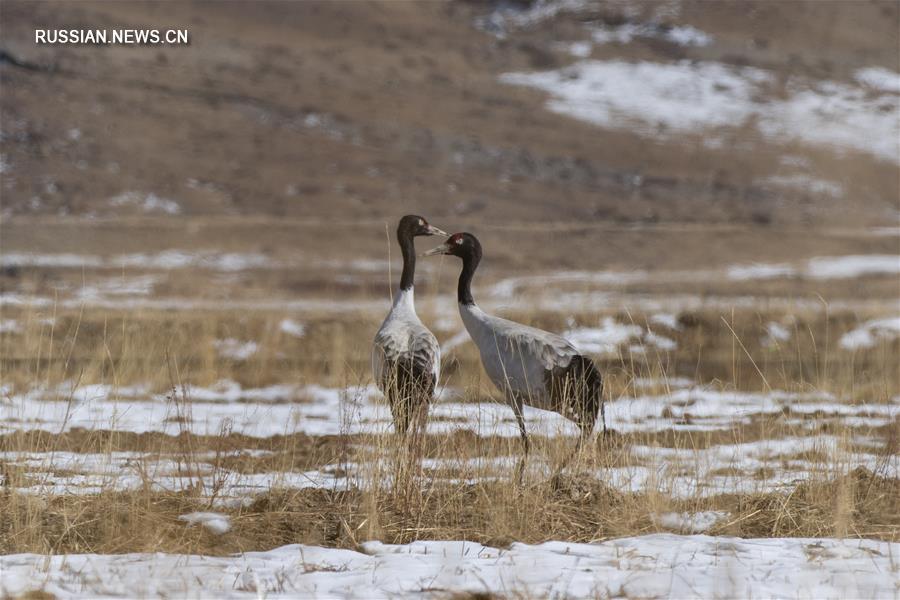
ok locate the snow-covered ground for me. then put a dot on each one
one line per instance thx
(650, 566)
(317, 410)
(665, 99)
(870, 333)
(765, 465)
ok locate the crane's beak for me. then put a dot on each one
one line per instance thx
(442, 249)
(432, 230)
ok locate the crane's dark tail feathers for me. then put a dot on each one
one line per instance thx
(409, 392)
(578, 393)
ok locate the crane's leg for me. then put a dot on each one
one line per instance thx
(603, 415)
(419, 425)
(526, 445)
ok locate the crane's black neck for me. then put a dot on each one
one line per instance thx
(408, 250)
(464, 287)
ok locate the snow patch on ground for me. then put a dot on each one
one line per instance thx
(815, 186)
(880, 79)
(577, 49)
(682, 35)
(605, 339)
(9, 326)
(685, 522)
(667, 320)
(116, 286)
(166, 260)
(509, 16)
(845, 267)
(611, 335)
(775, 334)
(871, 333)
(216, 523)
(760, 271)
(639, 567)
(235, 349)
(27, 259)
(661, 342)
(662, 99)
(148, 203)
(283, 409)
(647, 96)
(823, 267)
(292, 327)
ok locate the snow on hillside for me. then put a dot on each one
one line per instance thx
(663, 99)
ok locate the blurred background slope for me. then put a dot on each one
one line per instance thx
(758, 113)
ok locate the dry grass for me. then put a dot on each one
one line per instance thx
(395, 501)
(859, 504)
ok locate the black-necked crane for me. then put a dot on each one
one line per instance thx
(406, 357)
(528, 365)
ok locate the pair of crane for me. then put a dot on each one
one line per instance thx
(528, 365)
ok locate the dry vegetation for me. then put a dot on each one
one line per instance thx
(471, 495)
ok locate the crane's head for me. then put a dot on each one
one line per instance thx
(414, 225)
(463, 245)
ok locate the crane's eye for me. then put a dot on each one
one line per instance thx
(458, 240)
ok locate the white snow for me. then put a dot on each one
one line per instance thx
(217, 523)
(664, 382)
(820, 187)
(690, 522)
(166, 260)
(147, 202)
(605, 339)
(682, 35)
(283, 409)
(651, 566)
(660, 341)
(578, 49)
(27, 259)
(686, 35)
(510, 15)
(843, 267)
(179, 259)
(823, 267)
(659, 99)
(9, 326)
(668, 320)
(611, 335)
(97, 290)
(880, 79)
(775, 333)
(292, 327)
(647, 96)
(274, 410)
(760, 271)
(235, 349)
(315, 410)
(871, 333)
